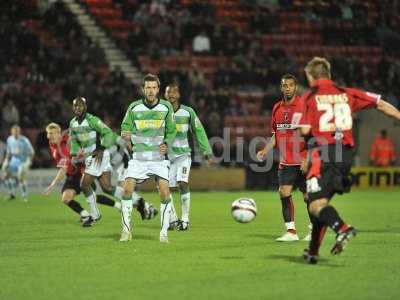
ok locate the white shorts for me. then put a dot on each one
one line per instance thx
(179, 171)
(143, 169)
(91, 168)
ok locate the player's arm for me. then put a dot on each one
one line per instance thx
(127, 125)
(268, 147)
(6, 157)
(59, 176)
(74, 145)
(200, 135)
(388, 109)
(108, 137)
(170, 127)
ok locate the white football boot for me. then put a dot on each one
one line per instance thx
(125, 236)
(163, 238)
(288, 237)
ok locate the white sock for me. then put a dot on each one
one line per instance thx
(126, 213)
(290, 225)
(165, 213)
(135, 198)
(119, 191)
(185, 201)
(24, 192)
(94, 210)
(173, 217)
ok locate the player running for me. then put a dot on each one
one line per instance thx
(89, 135)
(328, 118)
(149, 126)
(179, 152)
(60, 150)
(19, 155)
(286, 115)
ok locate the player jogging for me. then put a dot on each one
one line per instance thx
(149, 126)
(19, 155)
(179, 152)
(328, 118)
(91, 137)
(286, 114)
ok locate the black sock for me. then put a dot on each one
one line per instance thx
(102, 199)
(330, 217)
(317, 234)
(287, 209)
(75, 206)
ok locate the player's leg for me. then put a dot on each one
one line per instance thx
(22, 179)
(302, 186)
(324, 180)
(182, 176)
(67, 198)
(117, 192)
(69, 190)
(165, 208)
(185, 205)
(86, 186)
(126, 208)
(287, 176)
(173, 183)
(307, 238)
(11, 184)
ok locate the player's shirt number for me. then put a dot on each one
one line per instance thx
(335, 116)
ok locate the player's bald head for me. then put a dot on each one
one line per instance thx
(79, 100)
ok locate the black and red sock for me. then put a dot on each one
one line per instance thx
(75, 206)
(102, 199)
(287, 209)
(330, 217)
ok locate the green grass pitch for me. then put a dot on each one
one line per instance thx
(46, 254)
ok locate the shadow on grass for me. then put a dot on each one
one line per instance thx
(263, 236)
(323, 262)
(116, 237)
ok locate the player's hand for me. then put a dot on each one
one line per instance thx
(98, 156)
(304, 166)
(261, 155)
(48, 190)
(208, 160)
(126, 135)
(163, 149)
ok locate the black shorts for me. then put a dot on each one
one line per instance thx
(292, 175)
(73, 182)
(331, 176)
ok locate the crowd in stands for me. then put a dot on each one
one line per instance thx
(47, 60)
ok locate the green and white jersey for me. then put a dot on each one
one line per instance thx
(150, 127)
(186, 120)
(90, 134)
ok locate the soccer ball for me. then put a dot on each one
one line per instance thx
(244, 210)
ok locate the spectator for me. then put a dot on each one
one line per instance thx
(10, 114)
(382, 152)
(201, 43)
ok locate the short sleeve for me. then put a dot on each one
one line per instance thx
(363, 100)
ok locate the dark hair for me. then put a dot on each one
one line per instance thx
(151, 77)
(289, 76)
